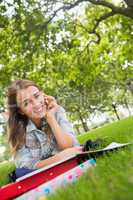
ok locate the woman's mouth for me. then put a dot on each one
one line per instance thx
(39, 110)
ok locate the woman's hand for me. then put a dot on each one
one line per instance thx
(69, 152)
(51, 105)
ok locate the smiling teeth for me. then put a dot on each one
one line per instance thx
(39, 110)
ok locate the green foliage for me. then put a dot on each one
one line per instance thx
(64, 57)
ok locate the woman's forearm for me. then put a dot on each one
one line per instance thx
(59, 156)
(48, 161)
(63, 139)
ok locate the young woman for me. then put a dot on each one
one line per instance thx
(39, 132)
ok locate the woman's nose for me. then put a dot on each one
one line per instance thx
(35, 102)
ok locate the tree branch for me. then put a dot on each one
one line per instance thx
(126, 11)
(129, 3)
(98, 21)
(103, 17)
(92, 32)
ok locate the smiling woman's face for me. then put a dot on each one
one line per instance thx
(31, 102)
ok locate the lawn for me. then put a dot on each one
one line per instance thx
(5, 168)
(112, 178)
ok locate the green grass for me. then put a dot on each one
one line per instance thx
(120, 131)
(5, 168)
(112, 178)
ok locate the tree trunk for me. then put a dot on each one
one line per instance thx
(115, 111)
(84, 124)
(77, 129)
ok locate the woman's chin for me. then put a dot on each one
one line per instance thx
(39, 115)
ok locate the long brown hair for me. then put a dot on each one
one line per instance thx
(17, 122)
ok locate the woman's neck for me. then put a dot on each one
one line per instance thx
(37, 122)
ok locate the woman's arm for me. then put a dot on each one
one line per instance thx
(59, 156)
(59, 124)
(24, 158)
(64, 140)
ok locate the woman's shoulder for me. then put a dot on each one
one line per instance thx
(61, 109)
(60, 114)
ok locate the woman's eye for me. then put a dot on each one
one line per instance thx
(25, 104)
(36, 96)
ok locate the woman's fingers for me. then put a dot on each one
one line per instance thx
(52, 105)
(49, 98)
(79, 148)
(50, 101)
